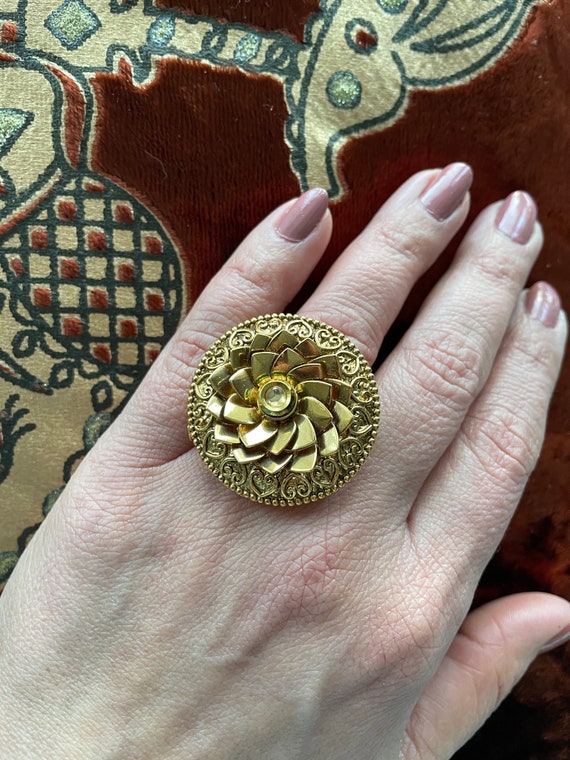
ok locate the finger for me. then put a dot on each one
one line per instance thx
(476, 486)
(489, 655)
(262, 276)
(365, 289)
(429, 383)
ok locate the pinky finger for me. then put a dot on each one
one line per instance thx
(489, 655)
(467, 502)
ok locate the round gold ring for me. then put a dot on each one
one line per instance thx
(283, 409)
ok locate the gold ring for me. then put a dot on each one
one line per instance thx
(283, 409)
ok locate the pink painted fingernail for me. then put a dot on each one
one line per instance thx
(303, 216)
(562, 638)
(445, 193)
(517, 217)
(542, 303)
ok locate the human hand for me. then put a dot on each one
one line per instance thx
(156, 615)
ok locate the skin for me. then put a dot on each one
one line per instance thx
(158, 615)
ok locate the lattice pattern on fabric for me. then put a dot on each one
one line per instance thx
(95, 273)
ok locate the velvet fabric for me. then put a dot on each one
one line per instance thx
(140, 141)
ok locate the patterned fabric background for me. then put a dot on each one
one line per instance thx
(140, 141)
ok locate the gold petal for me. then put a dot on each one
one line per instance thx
(317, 389)
(329, 442)
(342, 391)
(306, 461)
(259, 343)
(242, 383)
(239, 357)
(274, 465)
(226, 434)
(261, 363)
(215, 406)
(306, 435)
(308, 348)
(286, 360)
(237, 412)
(330, 364)
(255, 436)
(220, 379)
(282, 340)
(316, 412)
(306, 372)
(343, 416)
(284, 437)
(243, 456)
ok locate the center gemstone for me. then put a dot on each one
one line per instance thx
(277, 399)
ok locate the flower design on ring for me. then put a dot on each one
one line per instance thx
(281, 404)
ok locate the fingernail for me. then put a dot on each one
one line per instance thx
(542, 303)
(303, 216)
(517, 217)
(446, 192)
(562, 638)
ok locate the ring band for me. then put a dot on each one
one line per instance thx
(283, 409)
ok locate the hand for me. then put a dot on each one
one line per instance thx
(156, 615)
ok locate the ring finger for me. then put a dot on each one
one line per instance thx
(442, 363)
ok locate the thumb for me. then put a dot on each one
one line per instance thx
(491, 652)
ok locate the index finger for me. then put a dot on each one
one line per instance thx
(263, 275)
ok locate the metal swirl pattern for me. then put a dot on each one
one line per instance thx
(283, 409)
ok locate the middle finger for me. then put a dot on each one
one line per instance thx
(365, 289)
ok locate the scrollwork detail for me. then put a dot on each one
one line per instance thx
(204, 390)
(351, 453)
(300, 328)
(216, 356)
(296, 486)
(326, 474)
(262, 484)
(234, 474)
(241, 338)
(362, 422)
(213, 448)
(328, 338)
(269, 325)
(349, 361)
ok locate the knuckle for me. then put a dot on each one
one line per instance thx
(447, 369)
(308, 579)
(356, 318)
(402, 244)
(543, 356)
(244, 280)
(308, 584)
(495, 267)
(244, 274)
(507, 446)
(188, 347)
(496, 263)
